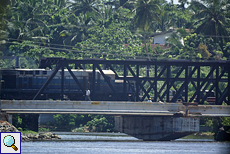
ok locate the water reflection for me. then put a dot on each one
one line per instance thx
(126, 147)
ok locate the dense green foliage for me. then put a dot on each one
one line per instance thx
(91, 123)
(112, 29)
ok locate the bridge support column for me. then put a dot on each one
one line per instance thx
(152, 128)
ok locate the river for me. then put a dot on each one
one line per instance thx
(119, 144)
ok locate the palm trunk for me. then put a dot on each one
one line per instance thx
(146, 49)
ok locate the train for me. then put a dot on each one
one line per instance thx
(24, 84)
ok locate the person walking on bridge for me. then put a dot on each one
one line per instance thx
(87, 95)
(150, 99)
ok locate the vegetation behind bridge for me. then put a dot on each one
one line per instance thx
(114, 29)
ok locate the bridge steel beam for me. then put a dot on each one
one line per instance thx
(47, 82)
(59, 64)
(207, 80)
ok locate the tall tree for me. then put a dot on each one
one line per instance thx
(146, 12)
(212, 19)
(85, 6)
(4, 8)
(183, 4)
(29, 17)
(76, 29)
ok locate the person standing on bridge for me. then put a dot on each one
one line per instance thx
(150, 99)
(87, 95)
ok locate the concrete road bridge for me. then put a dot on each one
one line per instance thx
(144, 120)
(113, 108)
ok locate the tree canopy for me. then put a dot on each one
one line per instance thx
(114, 29)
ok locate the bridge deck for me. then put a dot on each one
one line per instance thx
(112, 108)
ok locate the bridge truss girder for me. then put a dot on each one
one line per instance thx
(166, 81)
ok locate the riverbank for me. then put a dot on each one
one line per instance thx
(122, 137)
(96, 137)
(28, 135)
(83, 136)
(200, 135)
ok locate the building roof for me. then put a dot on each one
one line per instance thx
(168, 31)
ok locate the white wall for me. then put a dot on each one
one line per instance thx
(160, 39)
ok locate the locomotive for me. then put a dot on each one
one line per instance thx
(23, 84)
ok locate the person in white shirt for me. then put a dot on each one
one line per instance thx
(87, 95)
(149, 100)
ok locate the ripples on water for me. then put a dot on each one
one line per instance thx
(123, 145)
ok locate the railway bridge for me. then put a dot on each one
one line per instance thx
(203, 86)
(164, 80)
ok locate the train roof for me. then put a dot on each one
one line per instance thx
(22, 69)
(107, 72)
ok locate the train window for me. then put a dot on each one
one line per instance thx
(20, 82)
(30, 82)
(44, 72)
(37, 72)
(29, 72)
(25, 79)
(21, 72)
(10, 81)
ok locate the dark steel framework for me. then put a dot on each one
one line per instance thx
(166, 81)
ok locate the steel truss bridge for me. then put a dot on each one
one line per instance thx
(165, 80)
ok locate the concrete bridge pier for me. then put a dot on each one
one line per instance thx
(160, 128)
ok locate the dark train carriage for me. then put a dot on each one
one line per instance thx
(25, 83)
(8, 83)
(21, 83)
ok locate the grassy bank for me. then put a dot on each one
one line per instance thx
(27, 132)
(200, 135)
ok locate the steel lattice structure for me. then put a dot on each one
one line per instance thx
(165, 80)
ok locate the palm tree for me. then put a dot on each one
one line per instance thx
(3, 10)
(167, 17)
(30, 19)
(146, 12)
(183, 4)
(174, 41)
(36, 21)
(4, 23)
(76, 29)
(60, 3)
(107, 15)
(212, 19)
(84, 7)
